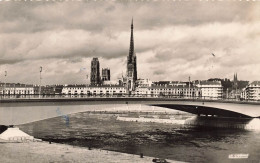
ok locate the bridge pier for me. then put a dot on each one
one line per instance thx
(14, 134)
(223, 122)
(2, 128)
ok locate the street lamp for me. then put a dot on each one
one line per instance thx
(189, 89)
(5, 83)
(40, 81)
(86, 85)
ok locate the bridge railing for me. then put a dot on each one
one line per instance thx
(176, 97)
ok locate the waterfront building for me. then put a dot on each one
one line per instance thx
(58, 89)
(48, 89)
(94, 90)
(235, 94)
(175, 91)
(74, 89)
(198, 89)
(243, 94)
(16, 89)
(252, 91)
(144, 83)
(178, 83)
(210, 89)
(95, 72)
(161, 83)
(105, 74)
(171, 83)
(131, 65)
(168, 91)
(142, 90)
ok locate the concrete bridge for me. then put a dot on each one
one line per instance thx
(21, 111)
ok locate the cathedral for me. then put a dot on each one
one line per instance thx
(235, 82)
(131, 74)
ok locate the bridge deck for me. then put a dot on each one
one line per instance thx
(27, 110)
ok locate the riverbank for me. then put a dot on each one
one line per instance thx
(45, 152)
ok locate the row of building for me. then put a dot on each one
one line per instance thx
(144, 88)
(29, 89)
(251, 91)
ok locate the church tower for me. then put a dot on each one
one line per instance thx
(235, 86)
(235, 82)
(95, 72)
(131, 64)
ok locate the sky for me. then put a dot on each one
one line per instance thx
(173, 39)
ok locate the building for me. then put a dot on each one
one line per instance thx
(161, 82)
(50, 89)
(58, 89)
(169, 91)
(144, 83)
(105, 74)
(243, 94)
(94, 90)
(251, 92)
(95, 72)
(16, 89)
(74, 89)
(171, 83)
(235, 92)
(235, 82)
(175, 91)
(142, 91)
(131, 74)
(210, 89)
(110, 83)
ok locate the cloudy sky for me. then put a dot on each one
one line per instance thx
(173, 40)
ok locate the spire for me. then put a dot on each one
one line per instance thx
(131, 50)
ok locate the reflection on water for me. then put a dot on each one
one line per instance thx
(177, 142)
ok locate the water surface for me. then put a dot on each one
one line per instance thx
(177, 142)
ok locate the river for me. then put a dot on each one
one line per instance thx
(101, 129)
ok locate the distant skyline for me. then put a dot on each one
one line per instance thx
(173, 40)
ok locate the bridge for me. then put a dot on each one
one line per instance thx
(21, 111)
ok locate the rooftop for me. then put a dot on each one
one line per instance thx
(172, 86)
(206, 82)
(255, 83)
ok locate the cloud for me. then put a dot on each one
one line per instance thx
(173, 40)
(97, 16)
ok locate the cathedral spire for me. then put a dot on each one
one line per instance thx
(131, 50)
(131, 64)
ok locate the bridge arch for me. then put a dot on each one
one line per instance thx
(203, 110)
